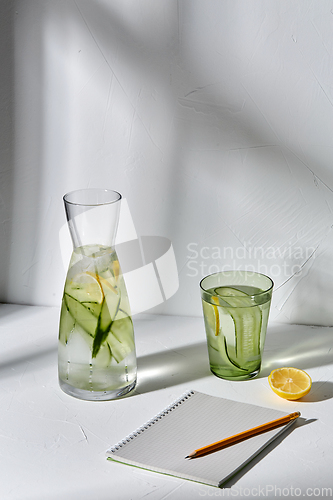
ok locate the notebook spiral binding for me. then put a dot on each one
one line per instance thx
(151, 422)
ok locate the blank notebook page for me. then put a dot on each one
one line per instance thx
(194, 421)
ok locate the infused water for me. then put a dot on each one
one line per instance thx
(96, 349)
(236, 322)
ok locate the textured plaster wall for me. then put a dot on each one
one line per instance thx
(213, 118)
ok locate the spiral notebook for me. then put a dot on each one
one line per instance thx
(191, 422)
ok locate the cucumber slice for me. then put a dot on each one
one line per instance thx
(122, 330)
(122, 313)
(103, 358)
(81, 315)
(105, 320)
(103, 326)
(219, 344)
(247, 328)
(119, 349)
(225, 350)
(120, 337)
(66, 324)
(247, 322)
(112, 298)
(93, 307)
(233, 297)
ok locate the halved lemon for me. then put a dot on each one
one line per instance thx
(290, 383)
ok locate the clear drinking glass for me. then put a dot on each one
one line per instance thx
(96, 350)
(236, 306)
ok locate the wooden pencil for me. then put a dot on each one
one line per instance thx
(243, 435)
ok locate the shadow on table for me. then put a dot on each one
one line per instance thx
(320, 391)
(40, 358)
(18, 311)
(165, 369)
(304, 348)
(291, 345)
(299, 423)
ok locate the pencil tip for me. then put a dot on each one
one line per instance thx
(187, 456)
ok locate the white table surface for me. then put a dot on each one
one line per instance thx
(52, 446)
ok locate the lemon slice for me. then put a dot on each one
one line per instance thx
(211, 316)
(116, 269)
(106, 285)
(85, 287)
(290, 383)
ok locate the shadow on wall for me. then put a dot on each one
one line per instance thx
(36, 165)
(23, 143)
(198, 112)
(6, 140)
(206, 122)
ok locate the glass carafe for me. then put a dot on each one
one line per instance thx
(96, 350)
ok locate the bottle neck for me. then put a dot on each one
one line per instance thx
(93, 224)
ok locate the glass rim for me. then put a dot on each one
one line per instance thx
(90, 190)
(244, 271)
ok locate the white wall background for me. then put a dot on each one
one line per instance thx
(213, 118)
